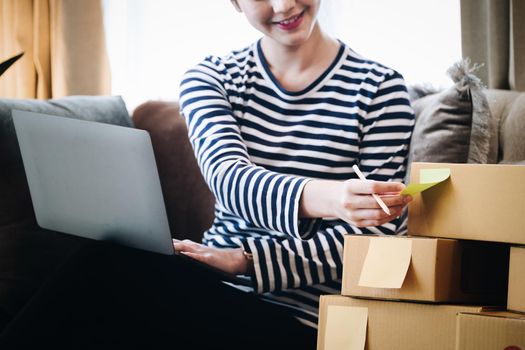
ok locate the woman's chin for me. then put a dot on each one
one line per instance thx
(292, 39)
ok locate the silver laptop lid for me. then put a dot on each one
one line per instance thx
(93, 180)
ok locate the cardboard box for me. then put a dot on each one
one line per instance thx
(389, 325)
(439, 270)
(516, 296)
(490, 331)
(479, 202)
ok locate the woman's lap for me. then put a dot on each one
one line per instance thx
(114, 296)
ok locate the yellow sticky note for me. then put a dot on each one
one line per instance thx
(427, 178)
(345, 327)
(386, 263)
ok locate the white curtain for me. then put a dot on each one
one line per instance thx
(152, 43)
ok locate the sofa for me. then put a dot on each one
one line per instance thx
(28, 254)
(464, 123)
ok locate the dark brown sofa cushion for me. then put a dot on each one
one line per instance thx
(189, 202)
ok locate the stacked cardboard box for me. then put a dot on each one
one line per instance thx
(438, 287)
(516, 298)
(431, 270)
(490, 330)
(478, 202)
(353, 323)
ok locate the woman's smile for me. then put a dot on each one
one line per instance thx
(290, 23)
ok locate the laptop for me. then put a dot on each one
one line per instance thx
(93, 180)
(98, 181)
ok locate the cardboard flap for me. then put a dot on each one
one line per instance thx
(386, 263)
(345, 327)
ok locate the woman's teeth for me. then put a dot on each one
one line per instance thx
(290, 20)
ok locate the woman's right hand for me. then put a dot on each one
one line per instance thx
(358, 207)
(352, 201)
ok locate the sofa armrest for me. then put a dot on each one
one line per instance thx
(189, 202)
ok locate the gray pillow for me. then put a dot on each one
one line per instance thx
(453, 126)
(105, 109)
(15, 204)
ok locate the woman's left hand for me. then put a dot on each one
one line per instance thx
(229, 260)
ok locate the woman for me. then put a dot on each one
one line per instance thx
(276, 128)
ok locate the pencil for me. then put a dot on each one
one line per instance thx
(376, 197)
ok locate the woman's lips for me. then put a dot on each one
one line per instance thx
(291, 23)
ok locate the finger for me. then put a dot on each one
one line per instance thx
(377, 214)
(178, 247)
(368, 202)
(368, 214)
(395, 212)
(393, 201)
(181, 242)
(195, 256)
(190, 242)
(370, 186)
(375, 223)
(188, 247)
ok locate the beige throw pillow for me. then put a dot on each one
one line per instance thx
(454, 125)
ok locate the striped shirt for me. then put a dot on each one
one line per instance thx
(258, 144)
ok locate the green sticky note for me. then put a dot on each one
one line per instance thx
(434, 176)
(428, 178)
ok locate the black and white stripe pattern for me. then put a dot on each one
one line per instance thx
(258, 145)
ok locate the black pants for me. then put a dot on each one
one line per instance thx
(109, 296)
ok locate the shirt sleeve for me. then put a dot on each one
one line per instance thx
(293, 263)
(267, 199)
(385, 138)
